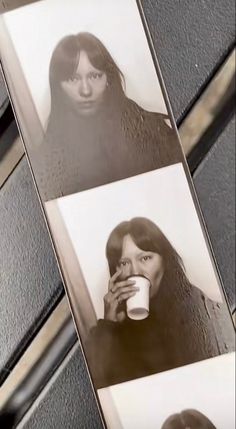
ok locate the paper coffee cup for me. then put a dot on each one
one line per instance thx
(138, 305)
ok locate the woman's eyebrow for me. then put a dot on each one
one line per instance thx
(144, 252)
(124, 258)
(137, 255)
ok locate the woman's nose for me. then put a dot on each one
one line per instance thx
(134, 268)
(85, 89)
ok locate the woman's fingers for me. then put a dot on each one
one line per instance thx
(116, 275)
(125, 296)
(120, 285)
(114, 278)
(124, 290)
(118, 291)
(113, 298)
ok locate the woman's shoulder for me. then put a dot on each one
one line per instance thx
(140, 111)
(218, 307)
(154, 124)
(198, 293)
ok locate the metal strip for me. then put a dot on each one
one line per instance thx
(208, 105)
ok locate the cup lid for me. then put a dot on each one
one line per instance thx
(139, 275)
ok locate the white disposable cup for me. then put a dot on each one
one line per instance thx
(138, 305)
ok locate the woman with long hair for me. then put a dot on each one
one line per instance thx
(95, 133)
(183, 326)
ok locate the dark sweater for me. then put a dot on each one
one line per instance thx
(119, 142)
(180, 330)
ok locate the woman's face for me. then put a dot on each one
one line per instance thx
(137, 261)
(87, 88)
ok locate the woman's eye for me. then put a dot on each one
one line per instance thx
(123, 263)
(95, 76)
(146, 258)
(74, 79)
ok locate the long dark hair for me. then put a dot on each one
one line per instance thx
(65, 59)
(192, 419)
(147, 236)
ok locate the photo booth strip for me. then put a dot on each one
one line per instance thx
(32, 129)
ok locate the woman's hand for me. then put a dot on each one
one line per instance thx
(118, 291)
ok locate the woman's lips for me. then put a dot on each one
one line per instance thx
(87, 104)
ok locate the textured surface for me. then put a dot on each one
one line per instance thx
(215, 185)
(191, 38)
(3, 92)
(68, 402)
(29, 279)
(3, 96)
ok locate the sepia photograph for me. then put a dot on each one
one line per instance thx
(96, 101)
(141, 277)
(198, 396)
